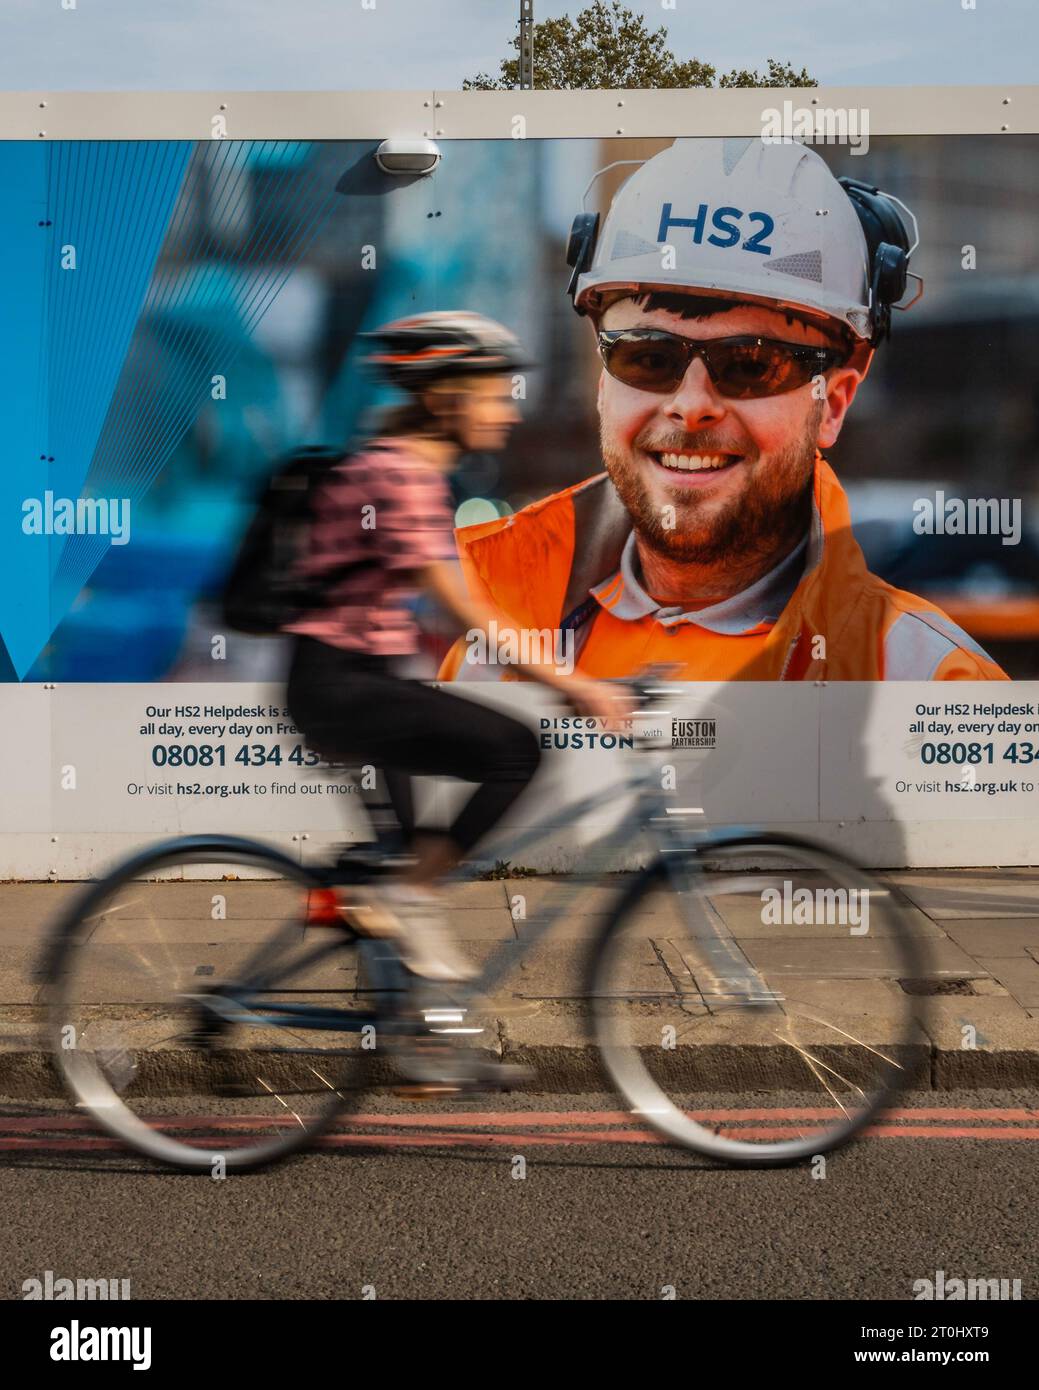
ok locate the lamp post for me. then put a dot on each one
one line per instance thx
(526, 45)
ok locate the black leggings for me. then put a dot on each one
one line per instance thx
(351, 707)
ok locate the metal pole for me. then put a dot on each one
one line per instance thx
(526, 47)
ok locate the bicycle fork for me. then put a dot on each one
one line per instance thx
(736, 980)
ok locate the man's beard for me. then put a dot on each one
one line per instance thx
(775, 509)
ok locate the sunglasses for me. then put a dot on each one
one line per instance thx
(742, 369)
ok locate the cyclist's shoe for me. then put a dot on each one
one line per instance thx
(412, 918)
(370, 918)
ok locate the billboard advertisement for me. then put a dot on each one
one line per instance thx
(814, 533)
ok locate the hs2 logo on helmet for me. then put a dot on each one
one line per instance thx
(725, 221)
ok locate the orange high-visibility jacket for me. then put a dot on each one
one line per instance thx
(537, 566)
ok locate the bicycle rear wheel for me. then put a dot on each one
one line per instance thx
(764, 966)
(184, 994)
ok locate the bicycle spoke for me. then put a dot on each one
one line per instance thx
(163, 1056)
(817, 1067)
(766, 1023)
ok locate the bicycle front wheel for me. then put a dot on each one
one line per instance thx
(752, 1002)
(205, 1006)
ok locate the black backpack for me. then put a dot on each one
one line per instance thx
(262, 591)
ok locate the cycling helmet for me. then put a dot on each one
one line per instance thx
(412, 351)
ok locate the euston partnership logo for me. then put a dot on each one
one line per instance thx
(694, 733)
(82, 516)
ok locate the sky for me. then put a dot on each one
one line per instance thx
(271, 45)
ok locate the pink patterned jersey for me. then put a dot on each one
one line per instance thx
(389, 512)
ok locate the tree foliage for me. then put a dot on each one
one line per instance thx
(609, 46)
(778, 75)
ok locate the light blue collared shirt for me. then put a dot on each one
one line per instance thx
(761, 603)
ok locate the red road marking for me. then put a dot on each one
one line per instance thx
(535, 1118)
(949, 1132)
(20, 1133)
(456, 1140)
(615, 1117)
(636, 1136)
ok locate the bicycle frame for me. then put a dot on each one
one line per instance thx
(650, 814)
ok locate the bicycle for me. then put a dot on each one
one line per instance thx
(670, 989)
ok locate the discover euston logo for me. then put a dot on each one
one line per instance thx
(81, 516)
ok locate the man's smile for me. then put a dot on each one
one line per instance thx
(688, 469)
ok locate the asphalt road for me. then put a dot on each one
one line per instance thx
(597, 1217)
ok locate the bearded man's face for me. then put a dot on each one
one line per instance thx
(766, 447)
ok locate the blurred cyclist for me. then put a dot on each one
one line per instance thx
(381, 531)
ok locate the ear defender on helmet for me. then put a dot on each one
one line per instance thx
(580, 249)
(888, 243)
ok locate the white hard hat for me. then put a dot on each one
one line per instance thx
(766, 222)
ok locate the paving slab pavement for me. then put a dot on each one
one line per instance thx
(979, 1021)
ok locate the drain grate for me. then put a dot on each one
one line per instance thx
(960, 986)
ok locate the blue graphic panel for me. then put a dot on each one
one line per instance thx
(24, 242)
(105, 209)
